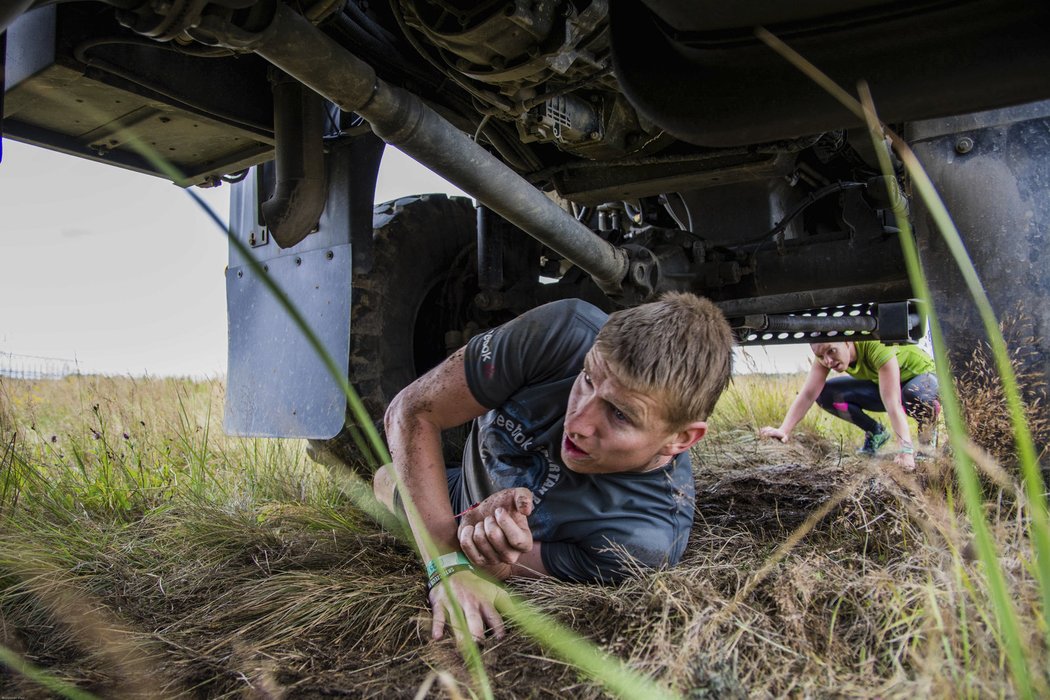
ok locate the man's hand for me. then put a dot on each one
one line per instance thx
(496, 533)
(771, 432)
(519, 499)
(478, 599)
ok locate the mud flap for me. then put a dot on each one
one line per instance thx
(992, 170)
(277, 384)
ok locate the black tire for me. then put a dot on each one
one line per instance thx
(422, 283)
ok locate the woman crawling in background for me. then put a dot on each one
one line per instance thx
(896, 379)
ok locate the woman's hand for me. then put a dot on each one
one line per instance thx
(906, 460)
(771, 432)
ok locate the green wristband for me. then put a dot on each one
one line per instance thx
(448, 571)
(908, 450)
(445, 561)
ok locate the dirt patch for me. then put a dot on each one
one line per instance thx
(763, 484)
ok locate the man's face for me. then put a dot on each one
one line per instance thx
(610, 429)
(836, 356)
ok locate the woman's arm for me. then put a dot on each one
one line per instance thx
(890, 392)
(818, 375)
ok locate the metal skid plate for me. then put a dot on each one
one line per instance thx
(278, 386)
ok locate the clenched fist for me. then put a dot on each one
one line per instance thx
(495, 533)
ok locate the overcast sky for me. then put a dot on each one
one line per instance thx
(123, 273)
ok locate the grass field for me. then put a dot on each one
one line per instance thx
(145, 554)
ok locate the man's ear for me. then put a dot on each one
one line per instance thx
(685, 438)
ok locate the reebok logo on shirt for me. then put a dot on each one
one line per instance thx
(489, 369)
(486, 347)
(513, 431)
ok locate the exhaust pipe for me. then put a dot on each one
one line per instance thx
(299, 194)
(297, 47)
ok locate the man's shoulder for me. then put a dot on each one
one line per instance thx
(560, 330)
(543, 345)
(870, 346)
(571, 311)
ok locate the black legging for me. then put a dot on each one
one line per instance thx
(847, 398)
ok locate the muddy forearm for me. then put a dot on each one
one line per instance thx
(415, 447)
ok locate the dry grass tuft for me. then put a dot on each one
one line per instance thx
(48, 617)
(984, 404)
(179, 562)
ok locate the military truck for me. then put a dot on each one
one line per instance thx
(615, 151)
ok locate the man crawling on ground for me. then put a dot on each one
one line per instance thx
(577, 454)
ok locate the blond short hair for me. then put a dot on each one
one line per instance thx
(679, 348)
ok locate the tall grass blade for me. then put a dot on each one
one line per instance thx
(1033, 480)
(57, 686)
(468, 647)
(1005, 614)
(997, 588)
(558, 638)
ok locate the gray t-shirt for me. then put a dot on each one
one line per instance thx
(523, 371)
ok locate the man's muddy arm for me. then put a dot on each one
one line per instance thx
(438, 400)
(496, 537)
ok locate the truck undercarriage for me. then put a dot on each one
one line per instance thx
(615, 152)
